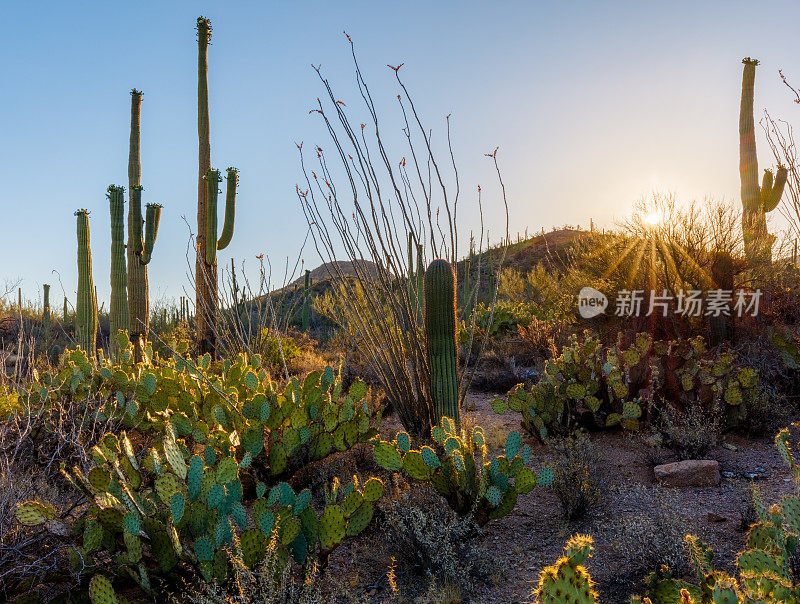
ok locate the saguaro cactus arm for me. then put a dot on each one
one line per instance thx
(230, 208)
(119, 315)
(771, 192)
(153, 216)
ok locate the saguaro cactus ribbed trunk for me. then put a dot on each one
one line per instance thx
(207, 297)
(440, 333)
(119, 313)
(756, 201)
(139, 249)
(86, 306)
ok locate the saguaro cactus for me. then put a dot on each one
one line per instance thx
(119, 313)
(306, 318)
(86, 306)
(139, 249)
(756, 201)
(207, 301)
(440, 332)
(46, 315)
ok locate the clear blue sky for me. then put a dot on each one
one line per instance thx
(593, 105)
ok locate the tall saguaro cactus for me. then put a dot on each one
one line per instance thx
(119, 313)
(86, 307)
(207, 190)
(756, 201)
(139, 249)
(440, 332)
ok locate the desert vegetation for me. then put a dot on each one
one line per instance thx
(428, 416)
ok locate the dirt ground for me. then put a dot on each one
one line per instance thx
(637, 525)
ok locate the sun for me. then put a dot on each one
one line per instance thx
(653, 218)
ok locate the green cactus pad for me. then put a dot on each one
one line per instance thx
(493, 495)
(204, 549)
(373, 489)
(216, 496)
(331, 527)
(227, 470)
(351, 502)
(267, 523)
(166, 486)
(545, 477)
(387, 456)
(101, 591)
(177, 505)
(525, 481)
(360, 519)
(513, 444)
(302, 501)
(429, 457)
(99, 478)
(31, 513)
(415, 466)
(403, 442)
(254, 547)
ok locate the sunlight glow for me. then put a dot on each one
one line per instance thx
(653, 218)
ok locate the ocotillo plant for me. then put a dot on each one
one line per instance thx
(139, 249)
(306, 318)
(756, 201)
(46, 315)
(207, 300)
(440, 333)
(119, 313)
(86, 307)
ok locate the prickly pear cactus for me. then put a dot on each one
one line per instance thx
(460, 469)
(567, 580)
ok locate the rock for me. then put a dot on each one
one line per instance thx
(689, 473)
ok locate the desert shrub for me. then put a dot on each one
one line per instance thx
(202, 451)
(575, 481)
(650, 536)
(591, 385)
(431, 540)
(693, 430)
(276, 349)
(270, 582)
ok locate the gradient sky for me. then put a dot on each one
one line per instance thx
(593, 105)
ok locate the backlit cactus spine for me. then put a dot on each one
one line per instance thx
(86, 307)
(756, 201)
(140, 249)
(440, 331)
(206, 286)
(119, 313)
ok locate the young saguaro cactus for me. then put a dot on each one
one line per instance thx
(86, 307)
(46, 314)
(306, 318)
(119, 313)
(206, 286)
(756, 201)
(140, 249)
(440, 332)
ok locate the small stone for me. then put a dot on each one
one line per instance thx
(728, 474)
(730, 447)
(688, 473)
